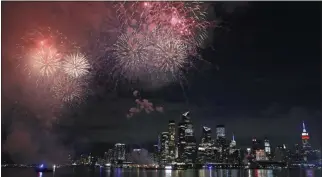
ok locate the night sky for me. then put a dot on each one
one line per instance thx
(261, 78)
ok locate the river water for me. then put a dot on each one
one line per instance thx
(85, 172)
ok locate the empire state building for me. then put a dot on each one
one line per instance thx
(305, 137)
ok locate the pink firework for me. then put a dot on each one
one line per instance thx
(41, 52)
(187, 19)
(159, 55)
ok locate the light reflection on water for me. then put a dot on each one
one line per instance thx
(85, 172)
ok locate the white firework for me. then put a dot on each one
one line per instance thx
(76, 65)
(46, 61)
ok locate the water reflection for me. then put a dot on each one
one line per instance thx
(309, 173)
(84, 172)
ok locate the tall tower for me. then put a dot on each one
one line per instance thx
(119, 152)
(172, 145)
(206, 135)
(182, 126)
(164, 150)
(267, 146)
(305, 136)
(233, 142)
(220, 130)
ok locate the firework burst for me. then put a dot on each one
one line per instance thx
(41, 51)
(154, 56)
(45, 61)
(132, 51)
(76, 65)
(186, 19)
(171, 53)
(68, 89)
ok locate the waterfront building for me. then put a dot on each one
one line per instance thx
(206, 149)
(260, 155)
(172, 143)
(164, 148)
(190, 148)
(182, 126)
(220, 131)
(221, 144)
(306, 146)
(280, 154)
(119, 153)
(156, 155)
(234, 153)
(109, 156)
(267, 146)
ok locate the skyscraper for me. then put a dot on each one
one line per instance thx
(156, 153)
(119, 152)
(255, 144)
(233, 142)
(306, 146)
(191, 146)
(222, 143)
(206, 147)
(267, 146)
(164, 149)
(305, 137)
(172, 144)
(206, 135)
(260, 155)
(220, 131)
(182, 126)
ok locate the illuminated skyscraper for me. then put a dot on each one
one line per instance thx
(260, 155)
(206, 135)
(267, 146)
(164, 149)
(109, 156)
(305, 137)
(182, 126)
(206, 147)
(307, 151)
(119, 152)
(233, 142)
(220, 130)
(191, 146)
(223, 145)
(172, 143)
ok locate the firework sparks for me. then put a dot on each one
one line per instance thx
(76, 65)
(187, 19)
(158, 39)
(41, 52)
(156, 55)
(170, 53)
(46, 60)
(132, 54)
(68, 89)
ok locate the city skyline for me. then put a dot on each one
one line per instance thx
(178, 146)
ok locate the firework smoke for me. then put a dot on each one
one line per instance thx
(141, 156)
(142, 105)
